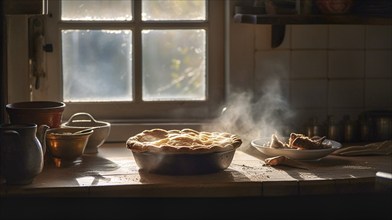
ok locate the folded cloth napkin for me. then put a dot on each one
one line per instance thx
(378, 148)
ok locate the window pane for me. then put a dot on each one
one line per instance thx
(174, 10)
(97, 65)
(96, 10)
(174, 64)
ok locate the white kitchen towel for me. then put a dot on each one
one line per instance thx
(377, 148)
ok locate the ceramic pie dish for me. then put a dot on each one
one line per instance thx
(183, 164)
(183, 152)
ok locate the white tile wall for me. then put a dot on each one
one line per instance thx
(378, 37)
(272, 88)
(272, 63)
(346, 37)
(308, 93)
(262, 37)
(308, 64)
(378, 64)
(346, 64)
(327, 69)
(346, 93)
(309, 36)
(378, 94)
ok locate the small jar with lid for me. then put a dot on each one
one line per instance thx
(315, 128)
(365, 128)
(334, 129)
(350, 129)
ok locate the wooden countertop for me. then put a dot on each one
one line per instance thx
(113, 173)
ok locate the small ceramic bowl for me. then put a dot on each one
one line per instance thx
(65, 144)
(83, 120)
(38, 112)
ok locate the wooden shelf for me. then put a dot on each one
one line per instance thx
(310, 19)
(252, 15)
(257, 15)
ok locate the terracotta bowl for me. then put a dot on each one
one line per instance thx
(37, 112)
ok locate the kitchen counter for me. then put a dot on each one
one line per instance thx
(113, 173)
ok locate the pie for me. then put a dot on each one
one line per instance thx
(299, 142)
(302, 142)
(182, 141)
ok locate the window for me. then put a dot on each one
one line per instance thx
(126, 60)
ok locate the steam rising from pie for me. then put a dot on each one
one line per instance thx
(182, 141)
(250, 116)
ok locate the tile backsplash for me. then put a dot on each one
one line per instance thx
(329, 69)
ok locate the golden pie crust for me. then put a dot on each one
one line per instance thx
(182, 141)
